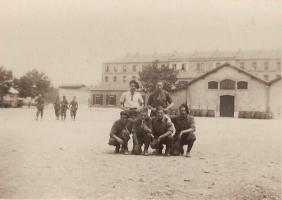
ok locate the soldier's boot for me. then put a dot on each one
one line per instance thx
(146, 147)
(167, 150)
(117, 148)
(125, 149)
(189, 147)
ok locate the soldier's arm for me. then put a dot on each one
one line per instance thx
(114, 131)
(169, 130)
(169, 100)
(192, 128)
(150, 103)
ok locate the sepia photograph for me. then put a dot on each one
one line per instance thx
(140, 100)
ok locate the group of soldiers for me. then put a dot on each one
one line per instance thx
(60, 107)
(152, 126)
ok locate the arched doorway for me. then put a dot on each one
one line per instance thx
(227, 106)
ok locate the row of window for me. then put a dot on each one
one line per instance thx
(115, 78)
(124, 68)
(265, 64)
(228, 85)
(111, 99)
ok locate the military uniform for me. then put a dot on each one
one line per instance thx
(40, 107)
(64, 107)
(183, 123)
(159, 127)
(159, 98)
(73, 108)
(142, 130)
(121, 130)
(57, 108)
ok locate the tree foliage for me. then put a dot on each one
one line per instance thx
(153, 73)
(33, 83)
(6, 80)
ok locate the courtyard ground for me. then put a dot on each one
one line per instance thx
(231, 159)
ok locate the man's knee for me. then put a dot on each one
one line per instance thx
(112, 141)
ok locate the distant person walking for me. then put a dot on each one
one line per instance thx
(57, 107)
(73, 108)
(64, 108)
(39, 106)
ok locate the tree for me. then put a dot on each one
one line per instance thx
(33, 83)
(153, 73)
(6, 80)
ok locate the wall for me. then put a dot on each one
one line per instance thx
(275, 99)
(82, 95)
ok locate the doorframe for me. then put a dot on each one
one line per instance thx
(230, 93)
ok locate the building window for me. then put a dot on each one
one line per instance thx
(115, 78)
(106, 78)
(242, 85)
(266, 77)
(198, 67)
(278, 65)
(111, 100)
(107, 68)
(98, 99)
(254, 66)
(183, 67)
(124, 78)
(134, 68)
(124, 68)
(212, 85)
(227, 85)
(266, 66)
(163, 66)
(242, 65)
(174, 66)
(115, 69)
(133, 77)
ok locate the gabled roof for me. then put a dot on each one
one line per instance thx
(230, 66)
(275, 80)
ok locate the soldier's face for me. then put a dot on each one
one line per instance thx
(143, 115)
(160, 114)
(159, 85)
(132, 87)
(182, 111)
(123, 118)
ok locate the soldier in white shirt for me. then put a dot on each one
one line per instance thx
(132, 101)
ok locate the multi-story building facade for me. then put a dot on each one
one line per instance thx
(264, 64)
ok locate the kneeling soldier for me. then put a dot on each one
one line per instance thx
(142, 130)
(162, 130)
(185, 128)
(120, 133)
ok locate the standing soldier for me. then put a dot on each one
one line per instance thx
(185, 128)
(162, 129)
(64, 107)
(57, 107)
(120, 133)
(40, 106)
(142, 133)
(159, 97)
(132, 101)
(73, 108)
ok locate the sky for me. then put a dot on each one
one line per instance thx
(70, 39)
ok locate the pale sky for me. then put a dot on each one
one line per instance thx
(69, 40)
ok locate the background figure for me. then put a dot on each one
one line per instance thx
(132, 101)
(159, 97)
(39, 106)
(64, 108)
(73, 108)
(57, 107)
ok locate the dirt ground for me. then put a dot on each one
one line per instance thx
(231, 159)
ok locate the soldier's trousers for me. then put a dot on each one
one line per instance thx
(186, 139)
(140, 140)
(39, 112)
(168, 141)
(57, 112)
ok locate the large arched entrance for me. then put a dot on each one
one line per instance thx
(227, 106)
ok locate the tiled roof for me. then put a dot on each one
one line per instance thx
(217, 54)
(110, 87)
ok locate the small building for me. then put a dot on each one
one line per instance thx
(108, 94)
(80, 91)
(11, 98)
(228, 91)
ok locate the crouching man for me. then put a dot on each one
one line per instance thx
(142, 130)
(120, 133)
(162, 129)
(185, 128)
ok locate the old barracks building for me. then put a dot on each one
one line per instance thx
(251, 81)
